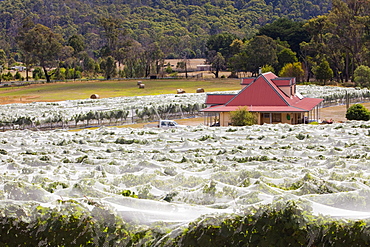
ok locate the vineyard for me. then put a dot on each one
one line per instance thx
(128, 110)
(262, 185)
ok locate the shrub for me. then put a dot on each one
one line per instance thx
(7, 77)
(358, 112)
(169, 69)
(18, 76)
(242, 117)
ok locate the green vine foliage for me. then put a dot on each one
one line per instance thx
(269, 226)
(67, 225)
(281, 224)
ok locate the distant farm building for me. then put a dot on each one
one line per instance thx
(19, 68)
(203, 67)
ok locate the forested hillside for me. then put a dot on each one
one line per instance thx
(325, 40)
(175, 25)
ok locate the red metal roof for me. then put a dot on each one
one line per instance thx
(218, 99)
(262, 95)
(308, 103)
(246, 81)
(261, 92)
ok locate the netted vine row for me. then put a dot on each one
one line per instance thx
(71, 224)
(139, 109)
(335, 95)
(150, 113)
(98, 117)
(58, 120)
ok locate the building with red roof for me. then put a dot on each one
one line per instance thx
(273, 99)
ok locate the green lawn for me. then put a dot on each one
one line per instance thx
(105, 89)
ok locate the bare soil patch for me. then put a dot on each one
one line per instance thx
(337, 113)
(16, 99)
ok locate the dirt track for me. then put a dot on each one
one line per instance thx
(337, 113)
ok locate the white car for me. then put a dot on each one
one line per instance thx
(169, 124)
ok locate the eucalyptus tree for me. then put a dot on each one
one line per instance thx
(115, 35)
(218, 63)
(286, 30)
(133, 57)
(323, 72)
(43, 45)
(2, 62)
(341, 36)
(286, 56)
(348, 22)
(74, 52)
(77, 42)
(260, 51)
(112, 30)
(27, 58)
(108, 65)
(220, 49)
(221, 43)
(154, 59)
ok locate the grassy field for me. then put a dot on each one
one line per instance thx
(106, 89)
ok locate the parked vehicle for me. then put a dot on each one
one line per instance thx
(169, 124)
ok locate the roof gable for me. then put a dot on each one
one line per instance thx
(261, 92)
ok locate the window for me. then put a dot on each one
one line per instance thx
(276, 117)
(266, 115)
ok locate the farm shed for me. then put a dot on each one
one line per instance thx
(203, 67)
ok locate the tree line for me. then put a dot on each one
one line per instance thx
(174, 25)
(331, 45)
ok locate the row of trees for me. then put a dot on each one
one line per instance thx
(39, 45)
